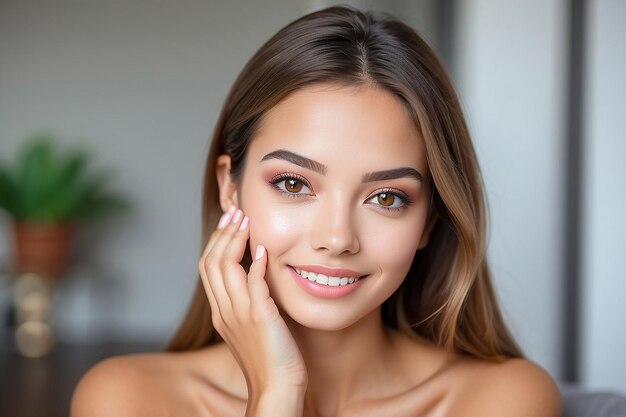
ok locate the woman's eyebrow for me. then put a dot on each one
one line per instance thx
(296, 159)
(320, 168)
(390, 174)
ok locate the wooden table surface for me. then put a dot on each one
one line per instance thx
(43, 387)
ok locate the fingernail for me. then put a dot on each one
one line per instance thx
(244, 223)
(223, 220)
(260, 250)
(237, 216)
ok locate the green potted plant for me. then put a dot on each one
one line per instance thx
(47, 195)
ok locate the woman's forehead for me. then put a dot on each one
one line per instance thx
(340, 125)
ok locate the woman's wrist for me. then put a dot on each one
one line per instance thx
(287, 401)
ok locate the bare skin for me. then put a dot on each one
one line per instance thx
(209, 382)
(288, 352)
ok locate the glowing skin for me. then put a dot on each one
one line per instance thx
(336, 220)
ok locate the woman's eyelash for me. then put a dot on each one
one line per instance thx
(405, 199)
(284, 176)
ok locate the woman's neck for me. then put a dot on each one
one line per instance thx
(342, 364)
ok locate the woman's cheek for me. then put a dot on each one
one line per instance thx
(276, 228)
(399, 257)
(392, 247)
(283, 220)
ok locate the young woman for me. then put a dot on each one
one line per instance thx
(344, 266)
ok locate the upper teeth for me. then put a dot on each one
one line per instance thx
(325, 279)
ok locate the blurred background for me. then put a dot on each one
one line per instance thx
(140, 85)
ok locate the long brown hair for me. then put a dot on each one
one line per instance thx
(447, 296)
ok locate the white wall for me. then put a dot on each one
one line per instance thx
(604, 240)
(510, 75)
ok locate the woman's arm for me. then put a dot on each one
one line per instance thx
(286, 402)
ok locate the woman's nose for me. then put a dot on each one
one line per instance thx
(334, 228)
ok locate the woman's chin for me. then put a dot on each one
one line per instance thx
(311, 318)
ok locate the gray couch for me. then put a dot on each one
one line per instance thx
(578, 402)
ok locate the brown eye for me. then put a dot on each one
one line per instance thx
(386, 199)
(293, 185)
(391, 200)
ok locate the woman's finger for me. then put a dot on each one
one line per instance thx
(221, 267)
(216, 315)
(234, 275)
(203, 261)
(224, 220)
(212, 263)
(260, 300)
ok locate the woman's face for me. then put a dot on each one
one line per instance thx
(336, 212)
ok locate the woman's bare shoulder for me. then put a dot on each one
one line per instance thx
(515, 387)
(150, 383)
(114, 386)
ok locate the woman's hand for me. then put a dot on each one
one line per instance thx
(246, 316)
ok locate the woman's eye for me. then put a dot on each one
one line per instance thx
(291, 186)
(390, 201)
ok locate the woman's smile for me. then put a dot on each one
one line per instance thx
(321, 285)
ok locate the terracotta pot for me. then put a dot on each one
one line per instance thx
(42, 248)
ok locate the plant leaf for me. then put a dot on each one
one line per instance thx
(37, 166)
(64, 192)
(8, 193)
(68, 174)
(47, 188)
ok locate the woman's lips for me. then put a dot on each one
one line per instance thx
(325, 291)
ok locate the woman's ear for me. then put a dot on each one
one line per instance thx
(227, 187)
